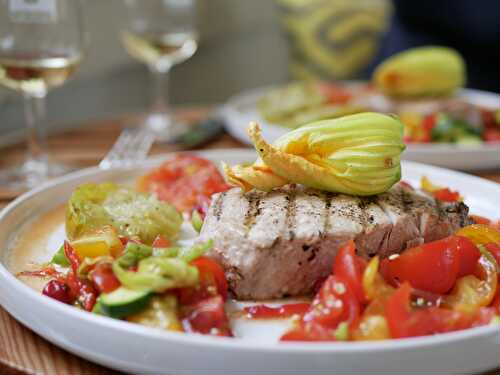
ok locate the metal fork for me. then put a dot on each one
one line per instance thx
(131, 147)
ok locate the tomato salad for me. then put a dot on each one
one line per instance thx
(437, 120)
(113, 268)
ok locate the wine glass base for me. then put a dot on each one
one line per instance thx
(30, 174)
(164, 127)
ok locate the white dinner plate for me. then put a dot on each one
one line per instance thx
(138, 349)
(242, 108)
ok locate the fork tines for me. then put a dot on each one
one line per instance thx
(131, 147)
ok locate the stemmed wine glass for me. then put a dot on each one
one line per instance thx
(41, 44)
(161, 34)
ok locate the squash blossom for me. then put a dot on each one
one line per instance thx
(357, 154)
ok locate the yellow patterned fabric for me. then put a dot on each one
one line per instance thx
(333, 39)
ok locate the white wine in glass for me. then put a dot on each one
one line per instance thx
(161, 34)
(41, 43)
(36, 74)
(160, 49)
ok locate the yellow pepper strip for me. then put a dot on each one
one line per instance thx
(428, 186)
(373, 325)
(370, 328)
(374, 284)
(470, 293)
(480, 234)
(101, 243)
(431, 188)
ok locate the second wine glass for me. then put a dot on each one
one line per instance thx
(161, 34)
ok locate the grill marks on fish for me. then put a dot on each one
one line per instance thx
(291, 209)
(327, 198)
(218, 205)
(279, 243)
(253, 211)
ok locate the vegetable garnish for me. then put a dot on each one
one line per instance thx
(439, 192)
(357, 154)
(93, 206)
(421, 71)
(187, 182)
(438, 287)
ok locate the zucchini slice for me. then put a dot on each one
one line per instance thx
(123, 302)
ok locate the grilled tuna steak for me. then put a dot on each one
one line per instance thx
(280, 243)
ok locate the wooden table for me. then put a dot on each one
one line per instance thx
(24, 352)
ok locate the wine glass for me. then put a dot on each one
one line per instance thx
(161, 34)
(40, 47)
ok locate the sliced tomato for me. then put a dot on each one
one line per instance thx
(483, 317)
(496, 302)
(491, 135)
(494, 249)
(488, 118)
(480, 219)
(212, 282)
(432, 267)
(350, 267)
(397, 311)
(446, 195)
(278, 312)
(161, 242)
(187, 182)
(334, 94)
(207, 317)
(335, 302)
(469, 256)
(309, 332)
(405, 322)
(104, 278)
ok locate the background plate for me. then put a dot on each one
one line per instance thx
(139, 349)
(241, 109)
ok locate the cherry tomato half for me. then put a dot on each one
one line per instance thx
(207, 317)
(433, 267)
(212, 282)
(335, 302)
(350, 267)
(104, 278)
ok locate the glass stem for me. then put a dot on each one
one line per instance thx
(34, 111)
(160, 90)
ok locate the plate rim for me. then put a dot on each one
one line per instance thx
(234, 344)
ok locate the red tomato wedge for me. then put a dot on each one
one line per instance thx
(104, 278)
(187, 182)
(403, 321)
(207, 317)
(350, 267)
(469, 256)
(309, 332)
(494, 249)
(212, 282)
(334, 94)
(433, 267)
(334, 303)
(491, 135)
(279, 312)
(446, 195)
